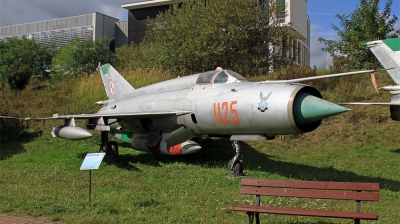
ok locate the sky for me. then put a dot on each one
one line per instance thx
(321, 12)
(322, 16)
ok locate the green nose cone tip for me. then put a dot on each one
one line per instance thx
(308, 109)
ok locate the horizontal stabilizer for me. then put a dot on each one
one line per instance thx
(372, 103)
(8, 117)
(115, 85)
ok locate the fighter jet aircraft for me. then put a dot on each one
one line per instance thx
(164, 117)
(388, 54)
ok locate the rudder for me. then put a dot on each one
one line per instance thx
(388, 54)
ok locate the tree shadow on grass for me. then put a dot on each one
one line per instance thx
(207, 157)
(11, 142)
(9, 150)
(395, 151)
(124, 162)
(217, 153)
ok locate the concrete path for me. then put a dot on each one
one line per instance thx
(13, 219)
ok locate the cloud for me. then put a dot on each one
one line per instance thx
(314, 27)
(14, 12)
(396, 26)
(317, 56)
(323, 30)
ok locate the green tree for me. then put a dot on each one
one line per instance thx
(20, 59)
(81, 57)
(366, 23)
(201, 35)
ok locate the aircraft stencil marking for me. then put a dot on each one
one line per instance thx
(112, 87)
(263, 105)
(226, 110)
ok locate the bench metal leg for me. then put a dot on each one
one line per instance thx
(257, 218)
(358, 209)
(257, 202)
(251, 217)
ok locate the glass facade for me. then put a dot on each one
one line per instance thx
(281, 14)
(58, 37)
(57, 31)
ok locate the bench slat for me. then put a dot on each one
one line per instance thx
(353, 186)
(339, 195)
(305, 212)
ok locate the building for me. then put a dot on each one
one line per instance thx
(296, 15)
(138, 14)
(94, 26)
(298, 19)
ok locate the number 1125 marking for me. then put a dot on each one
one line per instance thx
(222, 112)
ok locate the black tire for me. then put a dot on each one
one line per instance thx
(112, 152)
(230, 164)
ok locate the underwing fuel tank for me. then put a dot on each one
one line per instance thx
(153, 142)
(70, 132)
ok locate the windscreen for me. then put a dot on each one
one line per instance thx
(205, 78)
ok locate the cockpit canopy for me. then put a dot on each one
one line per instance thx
(219, 76)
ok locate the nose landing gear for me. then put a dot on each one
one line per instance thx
(235, 165)
(110, 148)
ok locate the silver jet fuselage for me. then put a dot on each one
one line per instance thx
(167, 116)
(228, 106)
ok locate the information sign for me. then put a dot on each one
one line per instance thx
(92, 161)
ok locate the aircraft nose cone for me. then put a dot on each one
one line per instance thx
(308, 109)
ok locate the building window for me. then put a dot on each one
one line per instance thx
(299, 52)
(281, 13)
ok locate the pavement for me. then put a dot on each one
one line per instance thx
(13, 219)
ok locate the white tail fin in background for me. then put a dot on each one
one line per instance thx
(388, 54)
(116, 86)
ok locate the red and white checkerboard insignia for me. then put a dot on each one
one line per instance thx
(112, 87)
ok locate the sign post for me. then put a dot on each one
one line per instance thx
(91, 162)
(90, 187)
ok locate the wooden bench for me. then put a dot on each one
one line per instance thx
(308, 189)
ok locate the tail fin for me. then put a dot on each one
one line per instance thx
(116, 86)
(388, 54)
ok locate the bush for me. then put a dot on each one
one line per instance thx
(81, 57)
(198, 36)
(20, 59)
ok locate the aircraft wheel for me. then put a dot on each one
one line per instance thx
(235, 165)
(111, 152)
(237, 169)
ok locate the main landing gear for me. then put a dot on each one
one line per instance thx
(235, 165)
(110, 148)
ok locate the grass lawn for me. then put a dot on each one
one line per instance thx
(40, 176)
